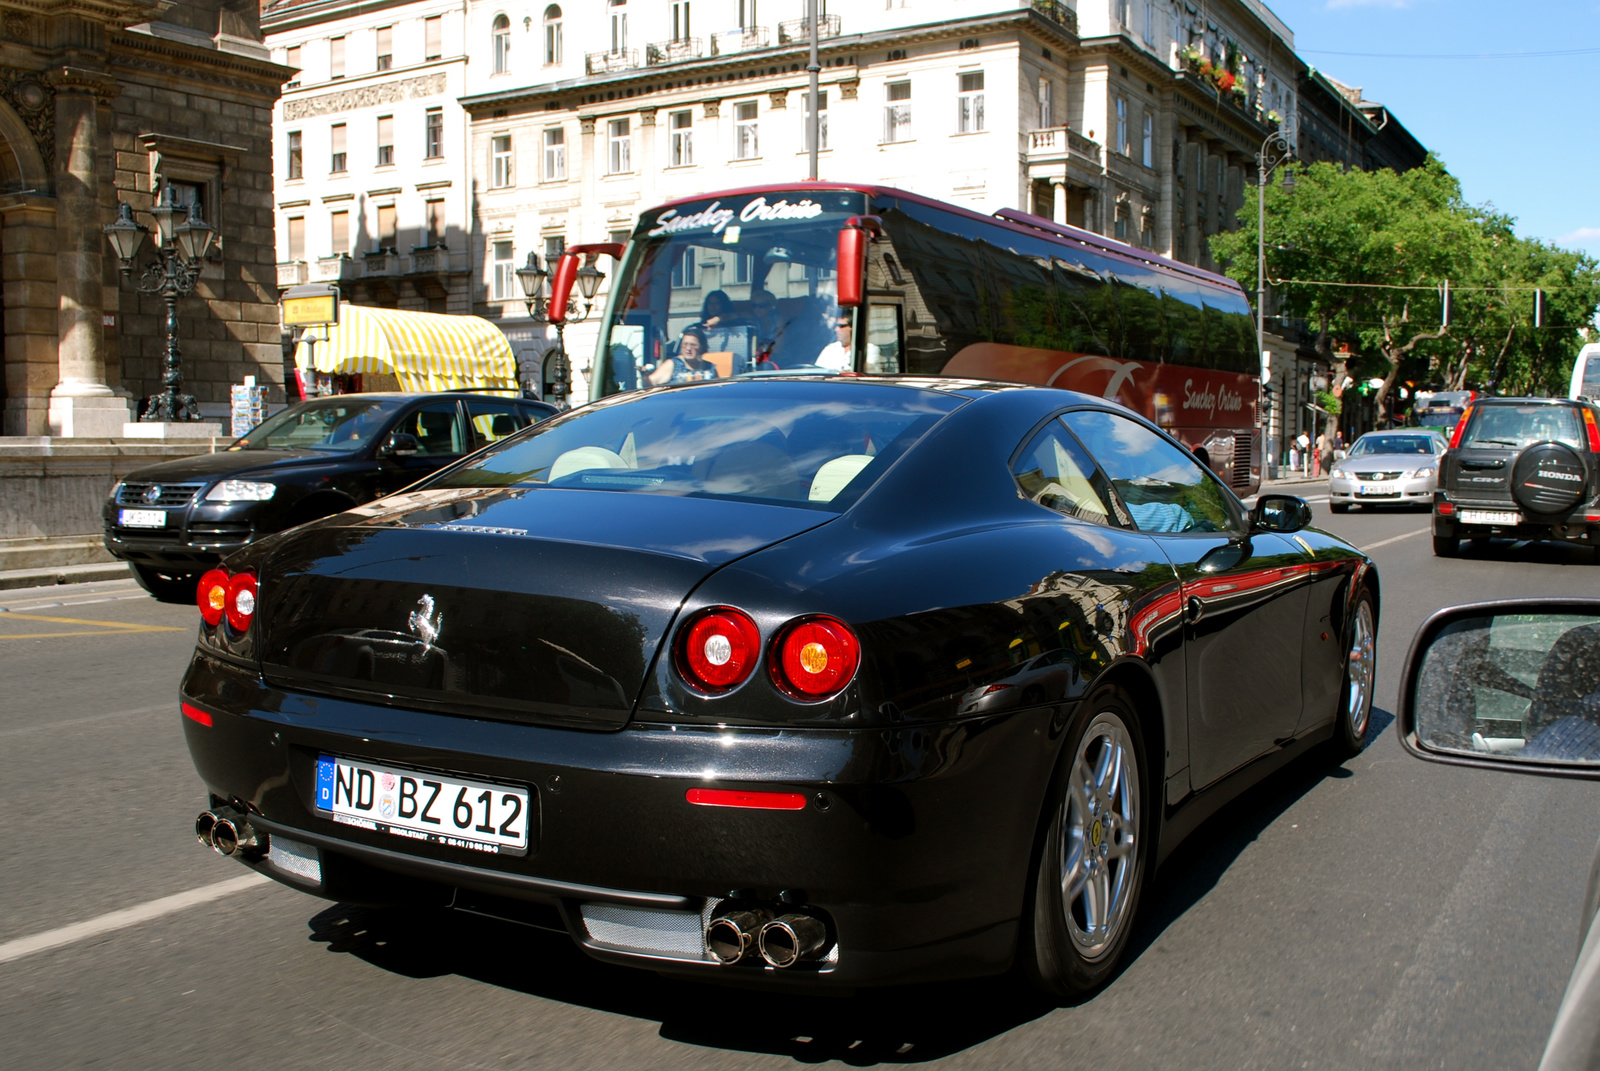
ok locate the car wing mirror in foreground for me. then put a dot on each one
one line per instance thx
(1280, 513)
(1511, 685)
(400, 445)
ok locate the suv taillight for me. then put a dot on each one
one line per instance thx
(1455, 440)
(1594, 432)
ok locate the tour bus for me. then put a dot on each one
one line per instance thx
(1586, 374)
(1441, 409)
(866, 279)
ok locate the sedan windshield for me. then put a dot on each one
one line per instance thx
(1394, 444)
(813, 444)
(346, 424)
(1517, 426)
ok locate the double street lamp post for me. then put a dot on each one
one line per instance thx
(182, 242)
(536, 291)
(1276, 150)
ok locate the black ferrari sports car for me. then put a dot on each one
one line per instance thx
(824, 680)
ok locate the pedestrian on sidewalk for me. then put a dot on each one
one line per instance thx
(1320, 457)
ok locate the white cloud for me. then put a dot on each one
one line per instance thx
(1581, 236)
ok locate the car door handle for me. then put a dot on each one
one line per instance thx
(1194, 609)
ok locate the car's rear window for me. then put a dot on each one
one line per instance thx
(817, 445)
(1516, 426)
(1393, 444)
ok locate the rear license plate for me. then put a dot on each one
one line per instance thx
(1489, 516)
(1375, 489)
(424, 806)
(142, 518)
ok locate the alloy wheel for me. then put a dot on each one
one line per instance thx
(1100, 836)
(1360, 671)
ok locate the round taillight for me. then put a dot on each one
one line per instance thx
(719, 649)
(816, 658)
(241, 601)
(212, 596)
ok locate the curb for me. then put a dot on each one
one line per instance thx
(64, 574)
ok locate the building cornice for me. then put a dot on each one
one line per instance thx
(117, 13)
(279, 18)
(184, 62)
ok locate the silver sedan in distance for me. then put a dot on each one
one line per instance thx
(1387, 468)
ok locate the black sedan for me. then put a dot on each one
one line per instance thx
(174, 520)
(696, 674)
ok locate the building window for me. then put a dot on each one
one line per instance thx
(502, 44)
(1125, 14)
(747, 14)
(388, 228)
(291, 58)
(500, 153)
(505, 272)
(1121, 226)
(297, 237)
(1149, 154)
(682, 150)
(339, 230)
(743, 267)
(434, 140)
(385, 140)
(297, 158)
(1147, 232)
(619, 147)
(336, 58)
(552, 34)
(385, 47)
(555, 155)
(1047, 110)
(619, 26)
(680, 20)
(684, 269)
(433, 37)
(435, 218)
(554, 246)
(969, 103)
(1122, 127)
(897, 112)
(336, 163)
(1149, 23)
(822, 118)
(746, 131)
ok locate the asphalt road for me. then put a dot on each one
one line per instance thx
(1387, 913)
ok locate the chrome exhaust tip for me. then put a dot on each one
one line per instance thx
(233, 835)
(204, 823)
(792, 938)
(730, 937)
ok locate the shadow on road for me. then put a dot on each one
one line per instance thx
(1521, 552)
(900, 1025)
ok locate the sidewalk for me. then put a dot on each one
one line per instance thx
(33, 562)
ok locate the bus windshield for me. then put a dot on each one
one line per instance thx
(727, 287)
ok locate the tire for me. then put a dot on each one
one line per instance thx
(165, 587)
(1099, 800)
(1446, 546)
(1338, 507)
(1360, 677)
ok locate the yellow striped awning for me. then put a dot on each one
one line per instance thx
(425, 351)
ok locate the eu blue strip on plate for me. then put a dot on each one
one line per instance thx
(325, 773)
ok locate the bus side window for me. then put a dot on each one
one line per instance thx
(884, 339)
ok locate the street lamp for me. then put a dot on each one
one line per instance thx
(535, 283)
(182, 242)
(1275, 151)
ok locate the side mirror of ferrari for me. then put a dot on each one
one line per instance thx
(401, 444)
(1512, 684)
(1280, 513)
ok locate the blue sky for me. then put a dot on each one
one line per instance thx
(1518, 133)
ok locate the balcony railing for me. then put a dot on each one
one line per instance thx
(292, 272)
(798, 31)
(336, 268)
(1062, 141)
(1058, 13)
(380, 262)
(605, 62)
(684, 48)
(729, 42)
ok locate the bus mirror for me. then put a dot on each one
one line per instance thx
(561, 281)
(852, 258)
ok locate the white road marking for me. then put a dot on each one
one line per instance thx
(1396, 539)
(85, 720)
(128, 916)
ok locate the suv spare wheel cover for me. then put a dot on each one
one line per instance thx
(1548, 478)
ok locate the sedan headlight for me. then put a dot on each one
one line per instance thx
(1426, 470)
(1336, 472)
(241, 491)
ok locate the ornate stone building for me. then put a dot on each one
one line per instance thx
(108, 100)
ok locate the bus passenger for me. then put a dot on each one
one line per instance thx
(840, 354)
(716, 309)
(687, 364)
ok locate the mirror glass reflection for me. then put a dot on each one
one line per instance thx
(1522, 687)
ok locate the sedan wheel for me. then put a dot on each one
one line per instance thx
(1093, 855)
(1360, 675)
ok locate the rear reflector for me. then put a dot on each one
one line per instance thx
(196, 714)
(1446, 509)
(759, 801)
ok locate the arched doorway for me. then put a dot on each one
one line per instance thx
(27, 224)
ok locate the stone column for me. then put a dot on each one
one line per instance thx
(1058, 209)
(32, 366)
(1165, 128)
(578, 222)
(646, 163)
(81, 403)
(1193, 160)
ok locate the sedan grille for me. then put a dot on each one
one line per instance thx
(165, 494)
(1378, 475)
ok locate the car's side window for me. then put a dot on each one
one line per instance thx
(437, 429)
(493, 421)
(1163, 488)
(1054, 471)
